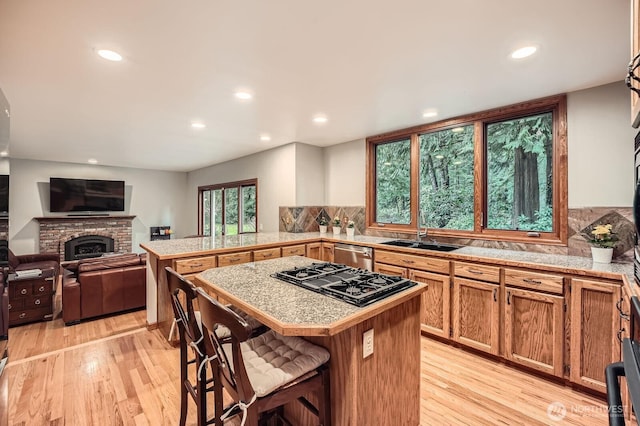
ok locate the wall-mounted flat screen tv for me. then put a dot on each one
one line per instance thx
(4, 195)
(85, 195)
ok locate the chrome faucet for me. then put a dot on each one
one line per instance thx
(423, 233)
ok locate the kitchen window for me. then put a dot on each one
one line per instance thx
(228, 208)
(498, 175)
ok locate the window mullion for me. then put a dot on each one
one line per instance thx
(479, 178)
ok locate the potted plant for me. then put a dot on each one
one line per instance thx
(602, 243)
(337, 226)
(323, 225)
(351, 228)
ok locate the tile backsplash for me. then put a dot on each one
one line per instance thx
(581, 221)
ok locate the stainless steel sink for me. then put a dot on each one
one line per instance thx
(422, 245)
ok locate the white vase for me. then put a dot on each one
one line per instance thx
(350, 232)
(336, 230)
(323, 229)
(601, 255)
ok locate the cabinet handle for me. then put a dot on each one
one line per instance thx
(475, 271)
(37, 301)
(23, 291)
(531, 281)
(49, 279)
(619, 307)
(9, 306)
(196, 265)
(41, 289)
(408, 261)
(267, 255)
(234, 259)
(622, 330)
(495, 294)
(22, 315)
(508, 297)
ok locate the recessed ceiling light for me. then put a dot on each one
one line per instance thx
(4, 154)
(457, 129)
(92, 161)
(241, 94)
(429, 114)
(320, 119)
(523, 52)
(439, 156)
(265, 138)
(198, 125)
(110, 55)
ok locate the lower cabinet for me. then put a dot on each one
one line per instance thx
(595, 324)
(234, 258)
(297, 250)
(435, 317)
(314, 251)
(534, 330)
(327, 252)
(476, 314)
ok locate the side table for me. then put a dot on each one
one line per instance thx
(31, 298)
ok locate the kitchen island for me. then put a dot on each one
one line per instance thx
(383, 388)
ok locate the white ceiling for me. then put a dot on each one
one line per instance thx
(370, 65)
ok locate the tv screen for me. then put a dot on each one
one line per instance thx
(4, 195)
(85, 195)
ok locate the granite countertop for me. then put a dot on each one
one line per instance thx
(168, 249)
(251, 287)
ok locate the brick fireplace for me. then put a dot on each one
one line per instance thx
(55, 231)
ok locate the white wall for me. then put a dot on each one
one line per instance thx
(154, 197)
(600, 147)
(344, 173)
(309, 175)
(276, 174)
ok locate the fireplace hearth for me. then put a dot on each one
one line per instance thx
(87, 246)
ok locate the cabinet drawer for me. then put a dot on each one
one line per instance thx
(20, 289)
(16, 304)
(197, 264)
(299, 250)
(265, 254)
(477, 272)
(234, 258)
(37, 302)
(533, 280)
(430, 264)
(390, 269)
(28, 315)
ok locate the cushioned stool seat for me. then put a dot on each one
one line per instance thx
(273, 360)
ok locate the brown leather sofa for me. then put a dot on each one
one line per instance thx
(34, 261)
(105, 285)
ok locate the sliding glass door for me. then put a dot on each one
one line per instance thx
(228, 208)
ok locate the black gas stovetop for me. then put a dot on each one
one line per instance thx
(356, 286)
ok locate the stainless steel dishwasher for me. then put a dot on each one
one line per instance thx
(356, 256)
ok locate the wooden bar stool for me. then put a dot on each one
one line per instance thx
(263, 373)
(190, 333)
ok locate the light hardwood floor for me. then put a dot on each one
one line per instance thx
(115, 372)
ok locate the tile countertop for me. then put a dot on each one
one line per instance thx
(168, 249)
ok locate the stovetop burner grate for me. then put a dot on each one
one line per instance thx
(356, 286)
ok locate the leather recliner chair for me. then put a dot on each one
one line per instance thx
(34, 261)
(104, 285)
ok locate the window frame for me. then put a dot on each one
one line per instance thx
(227, 185)
(557, 105)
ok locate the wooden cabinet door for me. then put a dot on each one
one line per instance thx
(476, 314)
(390, 270)
(266, 254)
(314, 250)
(534, 330)
(595, 322)
(327, 252)
(436, 310)
(234, 258)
